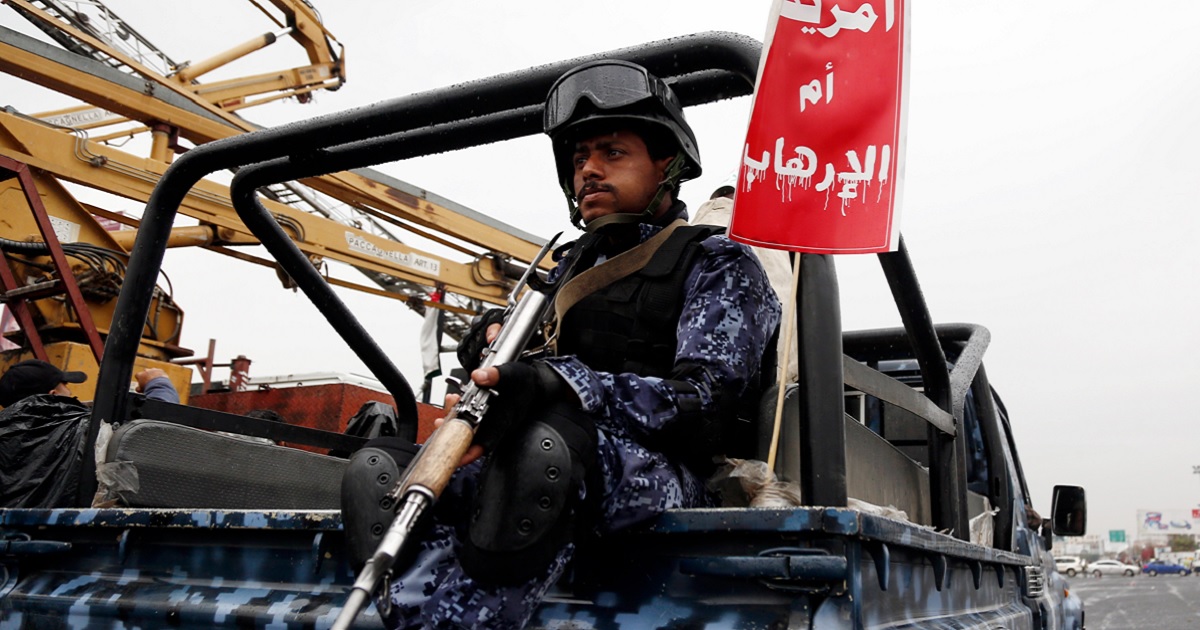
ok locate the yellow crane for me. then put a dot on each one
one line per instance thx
(127, 87)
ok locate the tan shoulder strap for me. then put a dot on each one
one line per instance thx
(606, 273)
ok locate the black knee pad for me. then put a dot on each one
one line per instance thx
(525, 507)
(366, 511)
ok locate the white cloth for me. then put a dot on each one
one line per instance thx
(775, 262)
(431, 358)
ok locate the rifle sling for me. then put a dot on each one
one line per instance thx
(606, 273)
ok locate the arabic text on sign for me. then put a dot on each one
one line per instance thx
(799, 171)
(860, 20)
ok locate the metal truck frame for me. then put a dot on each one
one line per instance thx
(822, 565)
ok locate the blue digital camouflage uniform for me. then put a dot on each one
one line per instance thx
(729, 314)
(161, 389)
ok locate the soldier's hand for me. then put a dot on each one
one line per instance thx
(522, 388)
(482, 377)
(486, 377)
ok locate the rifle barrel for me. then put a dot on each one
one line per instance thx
(416, 501)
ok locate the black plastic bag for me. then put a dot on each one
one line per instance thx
(41, 451)
(378, 419)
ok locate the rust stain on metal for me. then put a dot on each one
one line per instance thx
(403, 197)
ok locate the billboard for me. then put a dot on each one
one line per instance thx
(1183, 521)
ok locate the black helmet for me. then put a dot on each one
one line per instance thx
(615, 90)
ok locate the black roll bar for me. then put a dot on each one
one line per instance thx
(967, 343)
(819, 339)
(676, 58)
(702, 68)
(947, 455)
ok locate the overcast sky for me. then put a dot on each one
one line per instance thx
(1049, 196)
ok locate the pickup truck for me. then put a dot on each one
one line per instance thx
(915, 512)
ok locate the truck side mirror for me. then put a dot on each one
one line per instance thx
(1069, 511)
(1047, 536)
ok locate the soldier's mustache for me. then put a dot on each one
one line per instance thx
(592, 187)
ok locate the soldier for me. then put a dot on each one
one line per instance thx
(620, 423)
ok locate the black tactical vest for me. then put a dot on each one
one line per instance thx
(630, 325)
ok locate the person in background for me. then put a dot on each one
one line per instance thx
(154, 383)
(33, 377)
(43, 429)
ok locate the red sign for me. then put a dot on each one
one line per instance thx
(821, 165)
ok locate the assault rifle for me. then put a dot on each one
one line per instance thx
(429, 472)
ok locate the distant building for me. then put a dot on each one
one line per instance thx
(1089, 547)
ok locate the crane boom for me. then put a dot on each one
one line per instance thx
(141, 83)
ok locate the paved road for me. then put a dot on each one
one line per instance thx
(1165, 602)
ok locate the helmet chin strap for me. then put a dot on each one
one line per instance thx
(669, 182)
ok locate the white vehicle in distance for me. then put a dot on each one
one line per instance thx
(1111, 567)
(1071, 565)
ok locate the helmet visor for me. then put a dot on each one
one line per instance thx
(607, 86)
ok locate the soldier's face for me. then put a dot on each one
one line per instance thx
(615, 173)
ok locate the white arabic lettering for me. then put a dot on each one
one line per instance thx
(755, 170)
(856, 174)
(861, 20)
(811, 92)
(800, 11)
(799, 171)
(802, 166)
(825, 183)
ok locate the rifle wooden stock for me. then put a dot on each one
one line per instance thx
(439, 457)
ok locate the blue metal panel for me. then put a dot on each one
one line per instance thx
(175, 568)
(724, 568)
(207, 519)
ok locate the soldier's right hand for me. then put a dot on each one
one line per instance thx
(520, 388)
